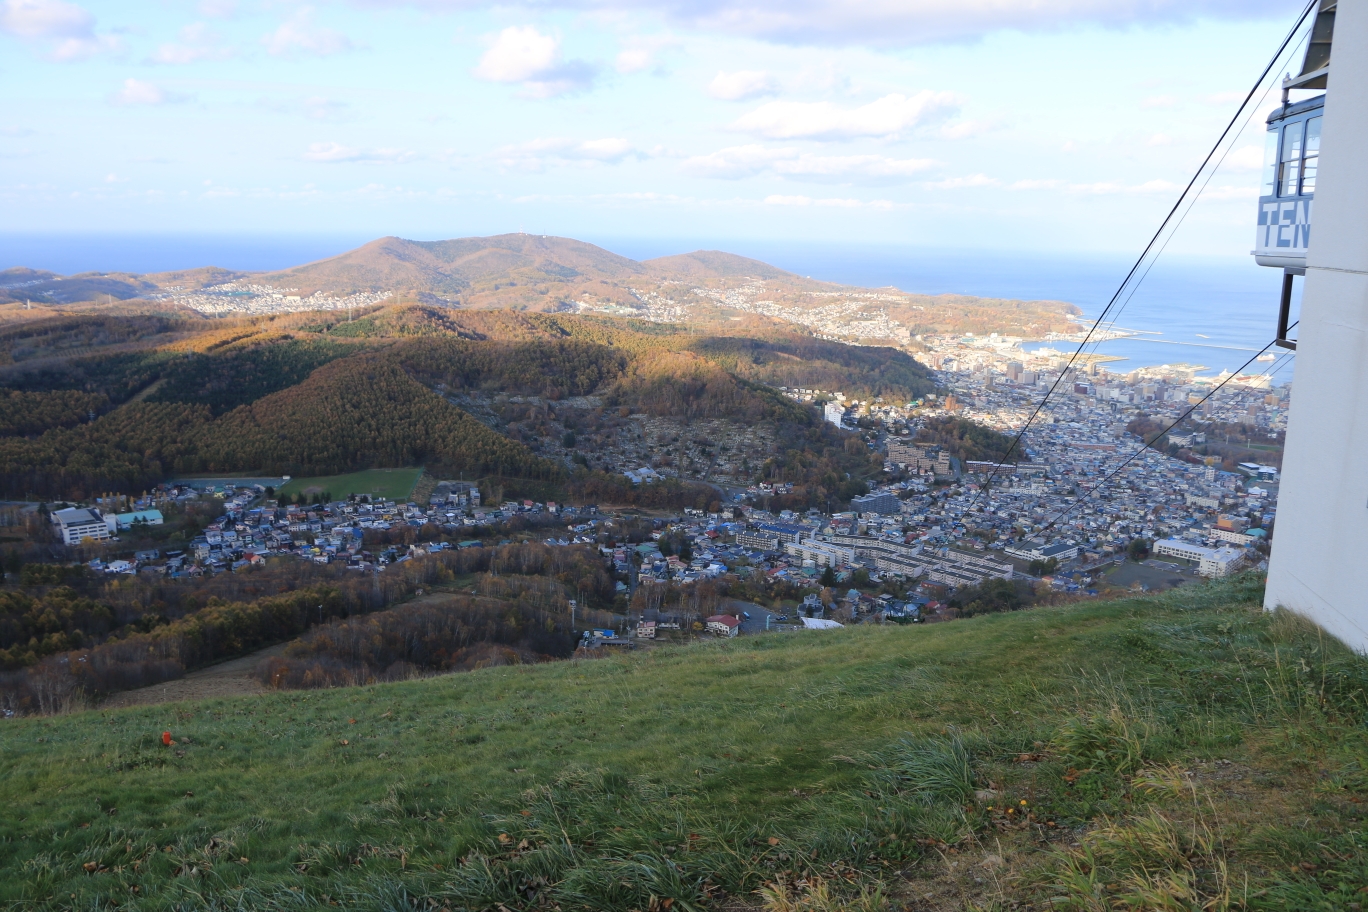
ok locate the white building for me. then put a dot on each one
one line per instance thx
(822, 554)
(1033, 551)
(835, 413)
(1235, 538)
(77, 523)
(1210, 561)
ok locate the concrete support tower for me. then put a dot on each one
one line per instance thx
(1319, 565)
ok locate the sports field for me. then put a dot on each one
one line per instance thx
(391, 484)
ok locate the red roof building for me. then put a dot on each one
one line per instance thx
(723, 625)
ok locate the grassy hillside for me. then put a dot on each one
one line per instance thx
(1184, 752)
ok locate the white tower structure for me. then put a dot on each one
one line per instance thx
(1319, 565)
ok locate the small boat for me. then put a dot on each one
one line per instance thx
(1267, 356)
(1200, 336)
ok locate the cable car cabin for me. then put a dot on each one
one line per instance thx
(1289, 175)
(1289, 184)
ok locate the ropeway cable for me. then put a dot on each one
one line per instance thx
(1292, 32)
(1150, 443)
(1112, 324)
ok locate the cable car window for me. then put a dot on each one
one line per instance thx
(1289, 178)
(1313, 130)
(1270, 167)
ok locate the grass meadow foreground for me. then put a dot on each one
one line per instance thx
(1181, 752)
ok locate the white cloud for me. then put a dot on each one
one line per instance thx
(905, 22)
(314, 107)
(780, 200)
(70, 27)
(1227, 192)
(197, 42)
(218, 9)
(864, 168)
(71, 49)
(738, 162)
(317, 107)
(138, 92)
(964, 183)
(742, 85)
(1245, 158)
(902, 23)
(1158, 101)
(1226, 98)
(889, 116)
(1100, 188)
(36, 19)
(524, 55)
(336, 153)
(641, 51)
(301, 35)
(1159, 139)
(538, 153)
(966, 129)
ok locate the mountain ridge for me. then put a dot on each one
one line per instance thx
(547, 274)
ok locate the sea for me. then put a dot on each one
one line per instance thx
(1216, 313)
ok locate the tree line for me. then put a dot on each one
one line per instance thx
(459, 633)
(116, 654)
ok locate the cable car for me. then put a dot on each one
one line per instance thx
(1289, 173)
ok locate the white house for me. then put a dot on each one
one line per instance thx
(77, 523)
(723, 625)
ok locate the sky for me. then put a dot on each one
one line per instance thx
(1048, 125)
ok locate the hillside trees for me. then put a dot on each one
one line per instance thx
(861, 372)
(24, 413)
(463, 632)
(225, 380)
(684, 385)
(553, 368)
(966, 439)
(356, 413)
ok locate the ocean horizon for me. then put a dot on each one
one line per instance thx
(1215, 312)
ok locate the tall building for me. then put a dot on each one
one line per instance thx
(885, 503)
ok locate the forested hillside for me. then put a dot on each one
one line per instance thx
(98, 403)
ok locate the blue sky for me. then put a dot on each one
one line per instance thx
(1050, 125)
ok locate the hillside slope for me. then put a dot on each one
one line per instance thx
(1139, 754)
(543, 274)
(456, 266)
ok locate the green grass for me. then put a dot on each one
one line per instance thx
(391, 484)
(846, 769)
